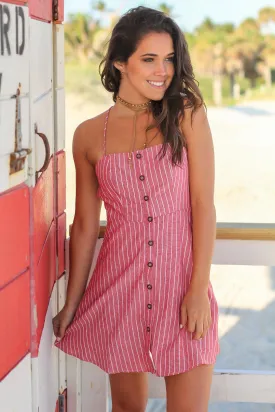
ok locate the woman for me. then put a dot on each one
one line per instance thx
(149, 306)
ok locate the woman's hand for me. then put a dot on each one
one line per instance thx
(61, 321)
(196, 312)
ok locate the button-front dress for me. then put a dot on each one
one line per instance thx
(128, 319)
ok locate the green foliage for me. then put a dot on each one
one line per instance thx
(266, 15)
(206, 26)
(99, 5)
(243, 54)
(80, 32)
(165, 8)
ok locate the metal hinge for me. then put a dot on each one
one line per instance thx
(55, 10)
(61, 403)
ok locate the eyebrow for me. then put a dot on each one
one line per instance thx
(154, 55)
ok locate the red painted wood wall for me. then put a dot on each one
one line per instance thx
(41, 9)
(32, 234)
(15, 329)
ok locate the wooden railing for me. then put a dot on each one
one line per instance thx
(236, 231)
(245, 231)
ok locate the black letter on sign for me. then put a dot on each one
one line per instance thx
(20, 13)
(4, 29)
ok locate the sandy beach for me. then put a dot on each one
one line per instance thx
(244, 141)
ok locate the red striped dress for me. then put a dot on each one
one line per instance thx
(128, 319)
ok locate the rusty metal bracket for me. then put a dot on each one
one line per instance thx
(55, 10)
(18, 157)
(61, 403)
(47, 152)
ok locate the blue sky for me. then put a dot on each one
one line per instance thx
(188, 14)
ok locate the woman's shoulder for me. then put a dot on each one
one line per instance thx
(92, 125)
(88, 135)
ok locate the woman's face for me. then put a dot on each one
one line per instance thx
(150, 69)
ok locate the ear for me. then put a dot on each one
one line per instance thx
(120, 66)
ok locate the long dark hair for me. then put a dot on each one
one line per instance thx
(183, 91)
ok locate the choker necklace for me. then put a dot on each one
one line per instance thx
(136, 108)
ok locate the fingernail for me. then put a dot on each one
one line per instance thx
(181, 326)
(58, 339)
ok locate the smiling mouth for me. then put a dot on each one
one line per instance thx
(158, 85)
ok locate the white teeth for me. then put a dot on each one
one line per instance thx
(159, 84)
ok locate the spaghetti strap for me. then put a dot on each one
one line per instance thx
(105, 131)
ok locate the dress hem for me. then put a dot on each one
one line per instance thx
(211, 361)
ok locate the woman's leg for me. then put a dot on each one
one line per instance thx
(129, 391)
(189, 391)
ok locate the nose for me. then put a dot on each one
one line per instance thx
(160, 69)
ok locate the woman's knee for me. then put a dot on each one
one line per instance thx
(189, 391)
(129, 392)
(129, 405)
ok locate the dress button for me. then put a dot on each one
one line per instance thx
(150, 219)
(146, 198)
(141, 177)
(149, 306)
(149, 286)
(150, 243)
(150, 264)
(148, 329)
(138, 156)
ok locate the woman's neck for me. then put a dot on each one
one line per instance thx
(129, 94)
(125, 107)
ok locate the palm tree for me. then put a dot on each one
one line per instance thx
(249, 44)
(209, 53)
(99, 5)
(206, 26)
(265, 17)
(233, 61)
(166, 9)
(110, 15)
(80, 31)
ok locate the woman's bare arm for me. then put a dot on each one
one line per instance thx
(202, 176)
(86, 224)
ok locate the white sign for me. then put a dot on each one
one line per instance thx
(14, 23)
(14, 93)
